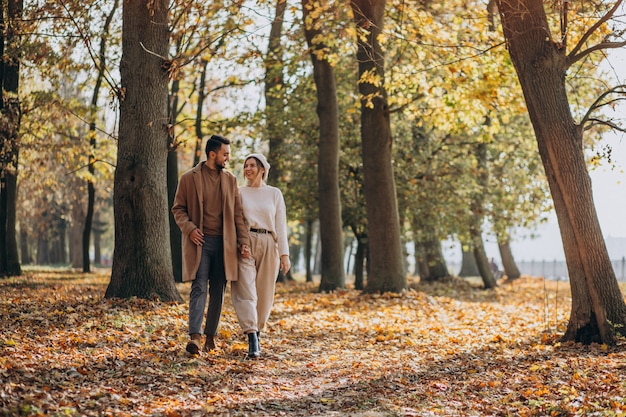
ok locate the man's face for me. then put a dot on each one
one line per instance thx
(222, 156)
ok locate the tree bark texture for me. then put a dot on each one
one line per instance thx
(386, 269)
(598, 309)
(10, 118)
(332, 270)
(142, 264)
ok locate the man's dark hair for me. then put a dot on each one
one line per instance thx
(214, 143)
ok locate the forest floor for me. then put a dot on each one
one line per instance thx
(449, 349)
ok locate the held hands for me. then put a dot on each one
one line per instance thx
(285, 263)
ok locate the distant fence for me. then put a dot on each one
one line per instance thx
(556, 270)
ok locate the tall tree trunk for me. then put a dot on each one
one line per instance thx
(386, 269)
(274, 94)
(482, 262)
(469, 268)
(198, 126)
(24, 245)
(508, 262)
(332, 272)
(176, 246)
(97, 233)
(76, 230)
(421, 264)
(11, 114)
(308, 249)
(598, 308)
(142, 265)
(91, 189)
(477, 217)
(437, 268)
(359, 262)
(432, 265)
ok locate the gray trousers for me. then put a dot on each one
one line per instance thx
(211, 279)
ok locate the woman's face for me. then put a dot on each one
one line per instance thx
(251, 169)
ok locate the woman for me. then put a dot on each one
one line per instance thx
(264, 209)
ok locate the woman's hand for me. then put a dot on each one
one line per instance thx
(285, 263)
(245, 251)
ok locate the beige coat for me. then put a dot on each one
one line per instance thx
(187, 210)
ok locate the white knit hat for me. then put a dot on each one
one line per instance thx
(261, 158)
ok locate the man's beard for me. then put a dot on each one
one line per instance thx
(220, 167)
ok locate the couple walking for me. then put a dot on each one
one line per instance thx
(230, 233)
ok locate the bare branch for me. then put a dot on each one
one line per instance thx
(575, 55)
(604, 45)
(599, 103)
(594, 122)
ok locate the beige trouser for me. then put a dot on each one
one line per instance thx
(253, 293)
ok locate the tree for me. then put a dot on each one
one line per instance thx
(10, 116)
(275, 93)
(386, 268)
(142, 264)
(332, 273)
(542, 61)
(91, 189)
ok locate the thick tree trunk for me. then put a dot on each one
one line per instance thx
(508, 262)
(11, 114)
(598, 308)
(469, 268)
(332, 272)
(274, 94)
(386, 269)
(142, 264)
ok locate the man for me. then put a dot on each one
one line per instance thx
(207, 209)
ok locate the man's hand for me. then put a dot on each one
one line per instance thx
(197, 237)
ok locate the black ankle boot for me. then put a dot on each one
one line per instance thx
(258, 339)
(253, 346)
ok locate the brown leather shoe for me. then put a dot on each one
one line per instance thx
(209, 344)
(193, 346)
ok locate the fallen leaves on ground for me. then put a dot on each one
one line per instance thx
(448, 349)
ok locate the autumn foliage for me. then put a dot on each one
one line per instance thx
(437, 349)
